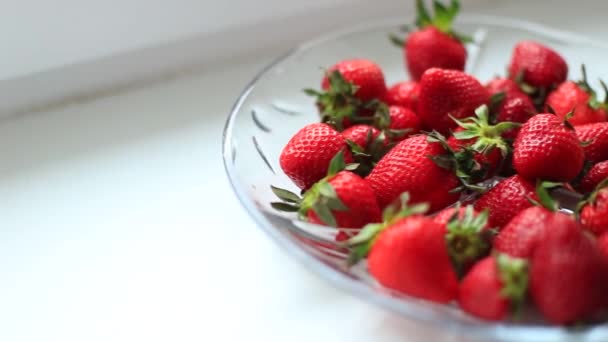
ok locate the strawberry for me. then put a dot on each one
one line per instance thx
(434, 44)
(348, 87)
(362, 135)
(404, 94)
(403, 123)
(503, 85)
(596, 174)
(595, 141)
(520, 237)
(307, 155)
(410, 257)
(541, 147)
(342, 199)
(593, 212)
(486, 140)
(602, 242)
(568, 278)
(578, 98)
(447, 214)
(494, 288)
(368, 146)
(409, 167)
(408, 241)
(537, 65)
(447, 94)
(364, 74)
(430, 251)
(506, 199)
(515, 107)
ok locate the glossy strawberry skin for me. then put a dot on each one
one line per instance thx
(444, 92)
(503, 85)
(568, 278)
(358, 196)
(507, 199)
(596, 135)
(542, 146)
(430, 48)
(594, 176)
(602, 243)
(359, 134)
(480, 292)
(305, 159)
(569, 96)
(407, 167)
(411, 257)
(520, 237)
(404, 94)
(516, 107)
(541, 66)
(594, 216)
(363, 73)
(404, 119)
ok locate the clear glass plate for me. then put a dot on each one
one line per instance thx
(273, 107)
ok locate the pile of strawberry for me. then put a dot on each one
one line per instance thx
(446, 186)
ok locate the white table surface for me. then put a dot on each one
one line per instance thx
(118, 224)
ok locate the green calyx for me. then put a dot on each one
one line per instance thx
(513, 274)
(339, 102)
(590, 198)
(487, 137)
(467, 240)
(546, 200)
(443, 19)
(361, 244)
(382, 121)
(321, 198)
(461, 162)
(593, 102)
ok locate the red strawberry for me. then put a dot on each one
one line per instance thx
(362, 135)
(489, 160)
(486, 140)
(541, 147)
(368, 146)
(348, 89)
(306, 157)
(568, 278)
(403, 123)
(428, 250)
(408, 167)
(434, 44)
(447, 214)
(364, 74)
(595, 139)
(521, 236)
(494, 288)
(579, 99)
(515, 107)
(357, 196)
(507, 199)
(503, 85)
(342, 199)
(594, 212)
(411, 257)
(602, 242)
(445, 93)
(537, 65)
(594, 176)
(404, 94)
